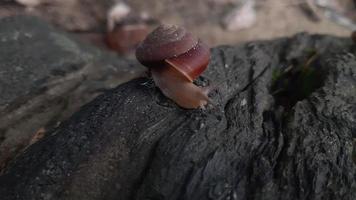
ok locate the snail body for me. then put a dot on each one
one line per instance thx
(175, 58)
(177, 88)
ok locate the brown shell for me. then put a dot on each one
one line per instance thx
(177, 47)
(353, 36)
(165, 41)
(124, 38)
(192, 63)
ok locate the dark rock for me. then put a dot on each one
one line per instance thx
(133, 143)
(45, 75)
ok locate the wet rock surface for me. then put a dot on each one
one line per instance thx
(46, 75)
(133, 143)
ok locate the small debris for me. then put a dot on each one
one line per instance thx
(38, 135)
(340, 12)
(29, 3)
(310, 10)
(243, 102)
(116, 14)
(241, 17)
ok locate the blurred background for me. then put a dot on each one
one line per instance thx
(215, 21)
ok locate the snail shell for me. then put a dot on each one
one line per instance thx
(175, 58)
(175, 46)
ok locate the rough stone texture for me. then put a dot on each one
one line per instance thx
(45, 75)
(133, 143)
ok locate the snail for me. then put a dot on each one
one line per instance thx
(175, 59)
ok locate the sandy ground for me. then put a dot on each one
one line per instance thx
(275, 18)
(277, 21)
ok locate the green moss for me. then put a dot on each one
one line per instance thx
(297, 81)
(276, 74)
